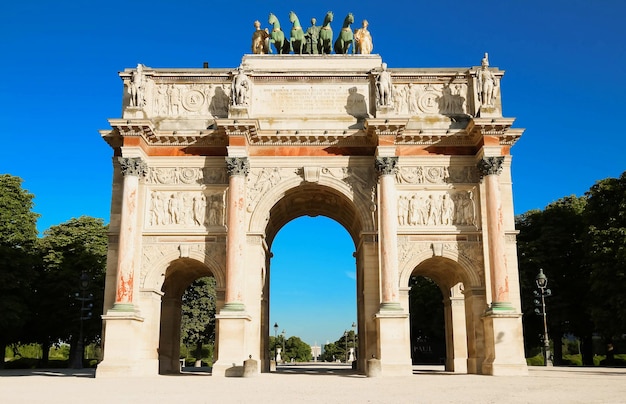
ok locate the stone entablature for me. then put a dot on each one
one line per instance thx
(193, 107)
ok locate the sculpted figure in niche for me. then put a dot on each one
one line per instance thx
(240, 88)
(312, 37)
(486, 84)
(137, 87)
(199, 209)
(384, 87)
(260, 40)
(363, 40)
(157, 208)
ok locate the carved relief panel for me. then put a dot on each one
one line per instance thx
(179, 100)
(437, 208)
(176, 209)
(429, 98)
(172, 205)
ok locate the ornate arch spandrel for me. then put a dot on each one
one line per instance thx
(259, 213)
(412, 254)
(156, 259)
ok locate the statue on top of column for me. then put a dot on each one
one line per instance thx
(363, 40)
(384, 87)
(486, 84)
(240, 88)
(260, 40)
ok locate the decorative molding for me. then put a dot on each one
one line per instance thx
(186, 175)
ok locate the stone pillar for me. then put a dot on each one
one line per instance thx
(456, 332)
(394, 344)
(475, 305)
(238, 168)
(504, 341)
(388, 233)
(132, 169)
(232, 318)
(124, 344)
(490, 168)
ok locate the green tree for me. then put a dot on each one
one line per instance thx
(552, 240)
(331, 352)
(66, 252)
(606, 247)
(297, 350)
(198, 315)
(18, 234)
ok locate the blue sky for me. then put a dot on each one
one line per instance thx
(565, 83)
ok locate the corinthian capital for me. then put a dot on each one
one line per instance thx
(237, 165)
(386, 165)
(490, 165)
(133, 166)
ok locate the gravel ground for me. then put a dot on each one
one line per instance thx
(315, 383)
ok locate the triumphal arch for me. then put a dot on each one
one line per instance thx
(209, 164)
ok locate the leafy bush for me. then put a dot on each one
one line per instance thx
(536, 360)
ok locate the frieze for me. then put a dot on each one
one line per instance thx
(185, 209)
(177, 100)
(436, 175)
(437, 208)
(186, 175)
(429, 98)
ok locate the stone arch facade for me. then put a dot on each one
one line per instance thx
(420, 178)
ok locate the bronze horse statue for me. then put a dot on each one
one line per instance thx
(277, 36)
(346, 37)
(326, 34)
(296, 40)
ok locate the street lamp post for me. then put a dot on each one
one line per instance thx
(345, 337)
(283, 334)
(354, 339)
(85, 314)
(542, 282)
(275, 341)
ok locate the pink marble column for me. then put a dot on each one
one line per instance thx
(238, 168)
(388, 233)
(490, 168)
(132, 169)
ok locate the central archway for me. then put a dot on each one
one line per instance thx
(310, 199)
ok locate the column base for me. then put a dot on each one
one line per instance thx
(394, 345)
(234, 306)
(231, 345)
(504, 344)
(122, 347)
(390, 306)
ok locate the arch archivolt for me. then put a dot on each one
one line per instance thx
(157, 257)
(267, 186)
(466, 254)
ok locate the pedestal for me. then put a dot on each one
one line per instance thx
(394, 345)
(385, 111)
(504, 344)
(122, 349)
(238, 111)
(231, 334)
